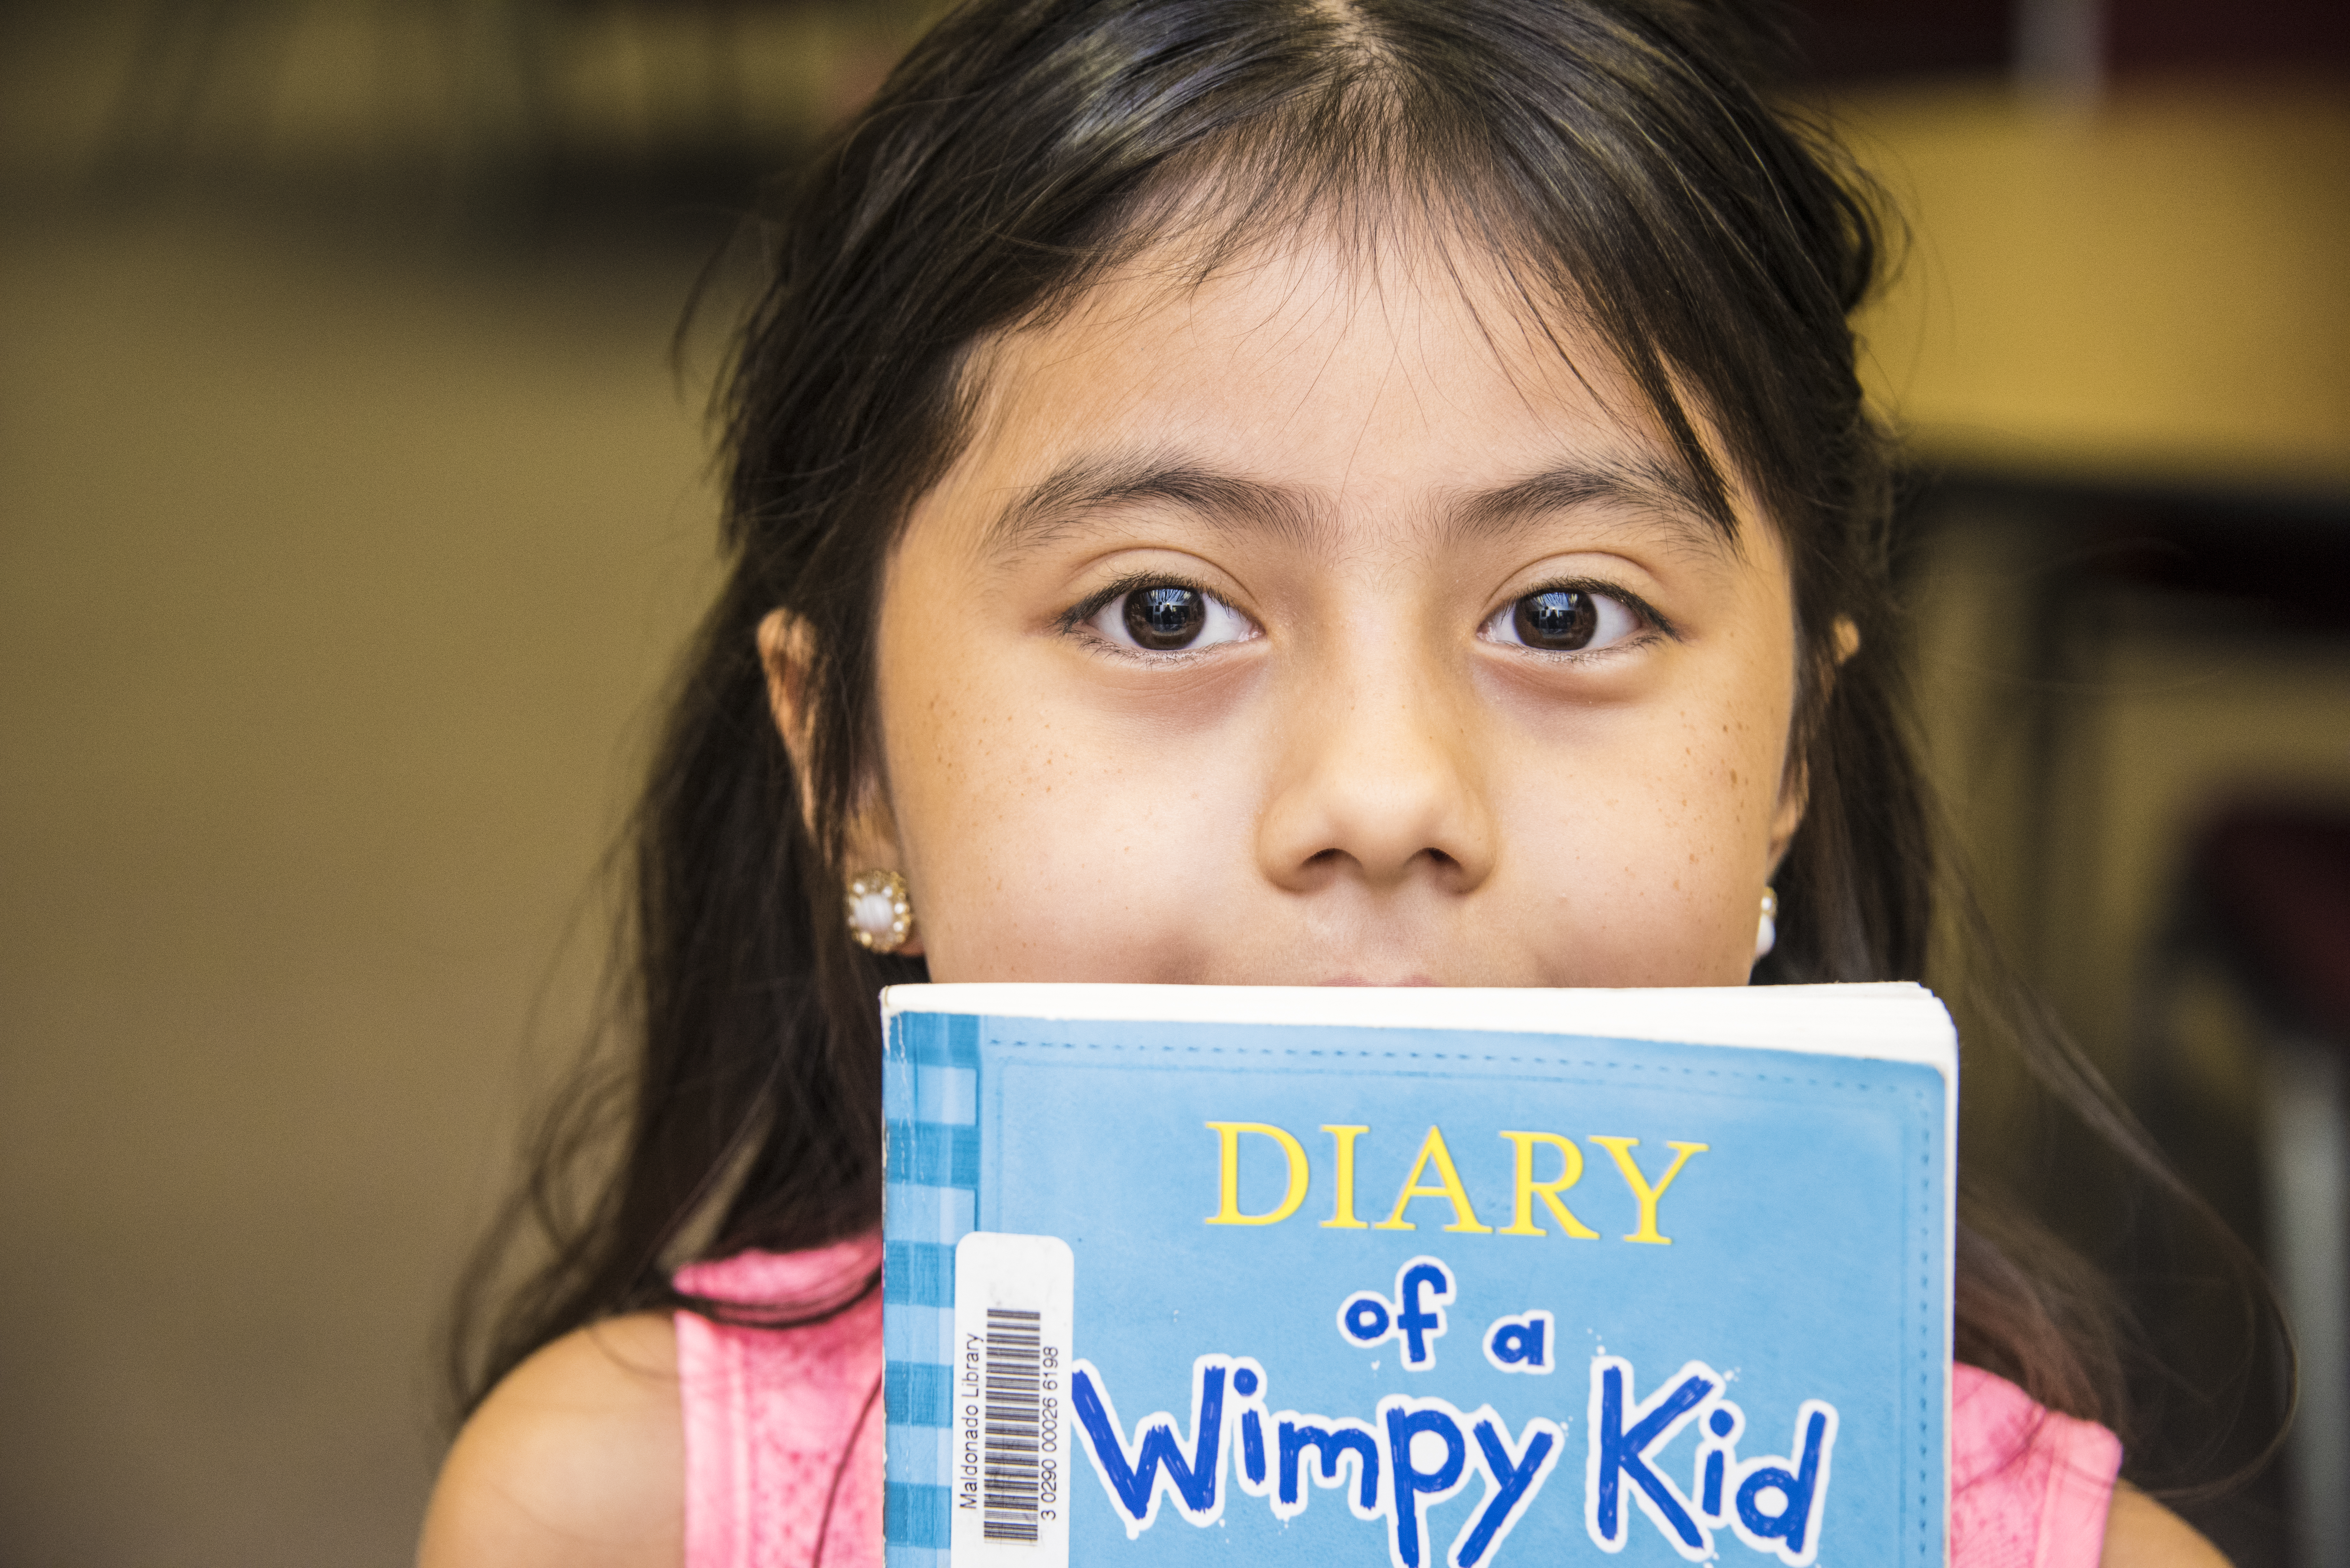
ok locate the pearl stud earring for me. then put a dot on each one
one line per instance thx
(1766, 933)
(879, 917)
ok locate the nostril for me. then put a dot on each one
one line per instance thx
(1438, 860)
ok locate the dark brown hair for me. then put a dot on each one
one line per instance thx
(1614, 158)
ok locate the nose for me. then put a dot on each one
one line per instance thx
(1379, 782)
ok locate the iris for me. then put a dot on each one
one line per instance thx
(1560, 620)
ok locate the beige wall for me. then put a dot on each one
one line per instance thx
(332, 592)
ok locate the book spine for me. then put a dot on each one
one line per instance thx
(929, 1201)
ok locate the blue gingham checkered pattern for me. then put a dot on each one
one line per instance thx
(931, 1101)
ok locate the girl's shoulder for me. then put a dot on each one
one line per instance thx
(2030, 1485)
(577, 1457)
(653, 1440)
(2142, 1533)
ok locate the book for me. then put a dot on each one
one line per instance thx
(1176, 1275)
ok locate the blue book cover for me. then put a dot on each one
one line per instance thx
(1178, 1275)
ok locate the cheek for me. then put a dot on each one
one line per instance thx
(1730, 786)
(1641, 851)
(1046, 841)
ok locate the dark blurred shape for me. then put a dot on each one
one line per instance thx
(2276, 562)
(1861, 40)
(2140, 735)
(2227, 35)
(2278, 882)
(2261, 561)
(2264, 920)
(1854, 40)
(500, 114)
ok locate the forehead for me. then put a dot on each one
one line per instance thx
(1341, 379)
(1321, 354)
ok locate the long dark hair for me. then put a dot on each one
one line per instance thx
(1615, 161)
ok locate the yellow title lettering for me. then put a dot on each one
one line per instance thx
(1622, 1147)
(1570, 1172)
(1432, 1149)
(1342, 1208)
(1229, 1214)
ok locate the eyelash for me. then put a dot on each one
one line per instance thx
(1076, 621)
(1653, 622)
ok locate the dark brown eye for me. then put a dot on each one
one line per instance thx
(1558, 621)
(1165, 619)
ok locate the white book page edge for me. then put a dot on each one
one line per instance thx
(1893, 1020)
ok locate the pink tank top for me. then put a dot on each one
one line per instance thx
(783, 1426)
(783, 1437)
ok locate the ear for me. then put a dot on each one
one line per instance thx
(786, 647)
(1795, 790)
(1848, 639)
(870, 839)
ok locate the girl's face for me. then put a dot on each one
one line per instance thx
(1315, 628)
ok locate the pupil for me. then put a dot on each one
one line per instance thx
(1560, 620)
(1165, 617)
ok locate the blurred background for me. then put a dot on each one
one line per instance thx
(354, 499)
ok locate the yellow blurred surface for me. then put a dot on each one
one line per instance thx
(2153, 289)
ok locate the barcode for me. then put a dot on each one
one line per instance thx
(1013, 1297)
(1014, 1372)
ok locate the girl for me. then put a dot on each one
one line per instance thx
(1336, 492)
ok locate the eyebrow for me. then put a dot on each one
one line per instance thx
(1059, 505)
(1050, 509)
(1661, 493)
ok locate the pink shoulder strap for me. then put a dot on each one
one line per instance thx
(2028, 1488)
(783, 1426)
